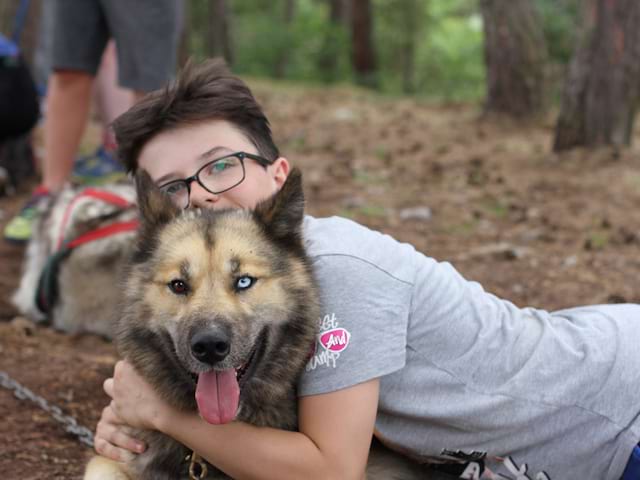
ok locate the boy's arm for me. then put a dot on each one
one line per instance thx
(333, 442)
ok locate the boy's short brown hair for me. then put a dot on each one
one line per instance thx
(206, 91)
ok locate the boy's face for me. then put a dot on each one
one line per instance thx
(178, 154)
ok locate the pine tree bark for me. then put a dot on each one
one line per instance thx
(410, 16)
(282, 60)
(363, 53)
(515, 57)
(603, 84)
(218, 31)
(328, 57)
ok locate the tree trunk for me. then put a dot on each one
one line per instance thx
(184, 51)
(218, 31)
(603, 84)
(328, 57)
(337, 11)
(515, 55)
(282, 59)
(363, 54)
(410, 17)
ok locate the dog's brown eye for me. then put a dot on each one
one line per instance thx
(179, 287)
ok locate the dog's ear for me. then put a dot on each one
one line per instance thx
(282, 214)
(155, 207)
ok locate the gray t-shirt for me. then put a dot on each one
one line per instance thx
(466, 377)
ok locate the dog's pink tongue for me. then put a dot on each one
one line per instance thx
(218, 395)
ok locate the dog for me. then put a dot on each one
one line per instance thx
(76, 288)
(216, 303)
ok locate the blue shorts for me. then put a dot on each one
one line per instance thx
(632, 471)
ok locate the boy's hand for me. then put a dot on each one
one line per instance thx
(113, 438)
(134, 404)
(133, 399)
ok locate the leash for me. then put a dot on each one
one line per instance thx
(70, 424)
(47, 290)
(197, 466)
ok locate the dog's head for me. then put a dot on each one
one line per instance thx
(219, 287)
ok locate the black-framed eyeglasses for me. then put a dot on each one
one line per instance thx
(216, 176)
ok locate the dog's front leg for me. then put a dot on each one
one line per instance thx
(101, 468)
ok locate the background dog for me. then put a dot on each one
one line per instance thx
(78, 289)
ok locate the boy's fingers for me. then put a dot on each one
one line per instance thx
(115, 434)
(120, 439)
(108, 450)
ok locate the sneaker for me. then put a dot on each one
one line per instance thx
(97, 169)
(19, 228)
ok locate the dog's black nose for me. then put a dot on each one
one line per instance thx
(210, 348)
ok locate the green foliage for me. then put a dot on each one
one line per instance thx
(597, 240)
(452, 62)
(431, 48)
(559, 21)
(262, 39)
(447, 34)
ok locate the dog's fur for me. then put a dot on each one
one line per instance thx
(88, 278)
(275, 319)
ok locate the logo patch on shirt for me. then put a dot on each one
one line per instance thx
(335, 340)
(332, 340)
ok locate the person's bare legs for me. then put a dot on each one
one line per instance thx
(111, 99)
(68, 103)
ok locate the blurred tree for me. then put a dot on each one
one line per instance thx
(399, 32)
(515, 56)
(289, 8)
(560, 21)
(328, 54)
(362, 48)
(218, 31)
(603, 84)
(409, 10)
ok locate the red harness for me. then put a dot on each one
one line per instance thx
(47, 292)
(107, 230)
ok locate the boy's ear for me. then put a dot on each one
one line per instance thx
(154, 206)
(282, 214)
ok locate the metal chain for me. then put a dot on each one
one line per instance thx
(70, 424)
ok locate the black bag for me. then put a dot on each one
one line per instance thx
(19, 112)
(19, 106)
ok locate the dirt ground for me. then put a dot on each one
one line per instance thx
(485, 194)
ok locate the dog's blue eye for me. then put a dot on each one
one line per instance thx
(179, 287)
(244, 282)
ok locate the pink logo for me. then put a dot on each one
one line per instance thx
(335, 340)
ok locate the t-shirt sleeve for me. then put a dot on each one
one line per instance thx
(363, 326)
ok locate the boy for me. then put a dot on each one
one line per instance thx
(430, 363)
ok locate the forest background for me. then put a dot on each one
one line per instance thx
(497, 135)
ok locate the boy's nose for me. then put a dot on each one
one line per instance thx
(201, 198)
